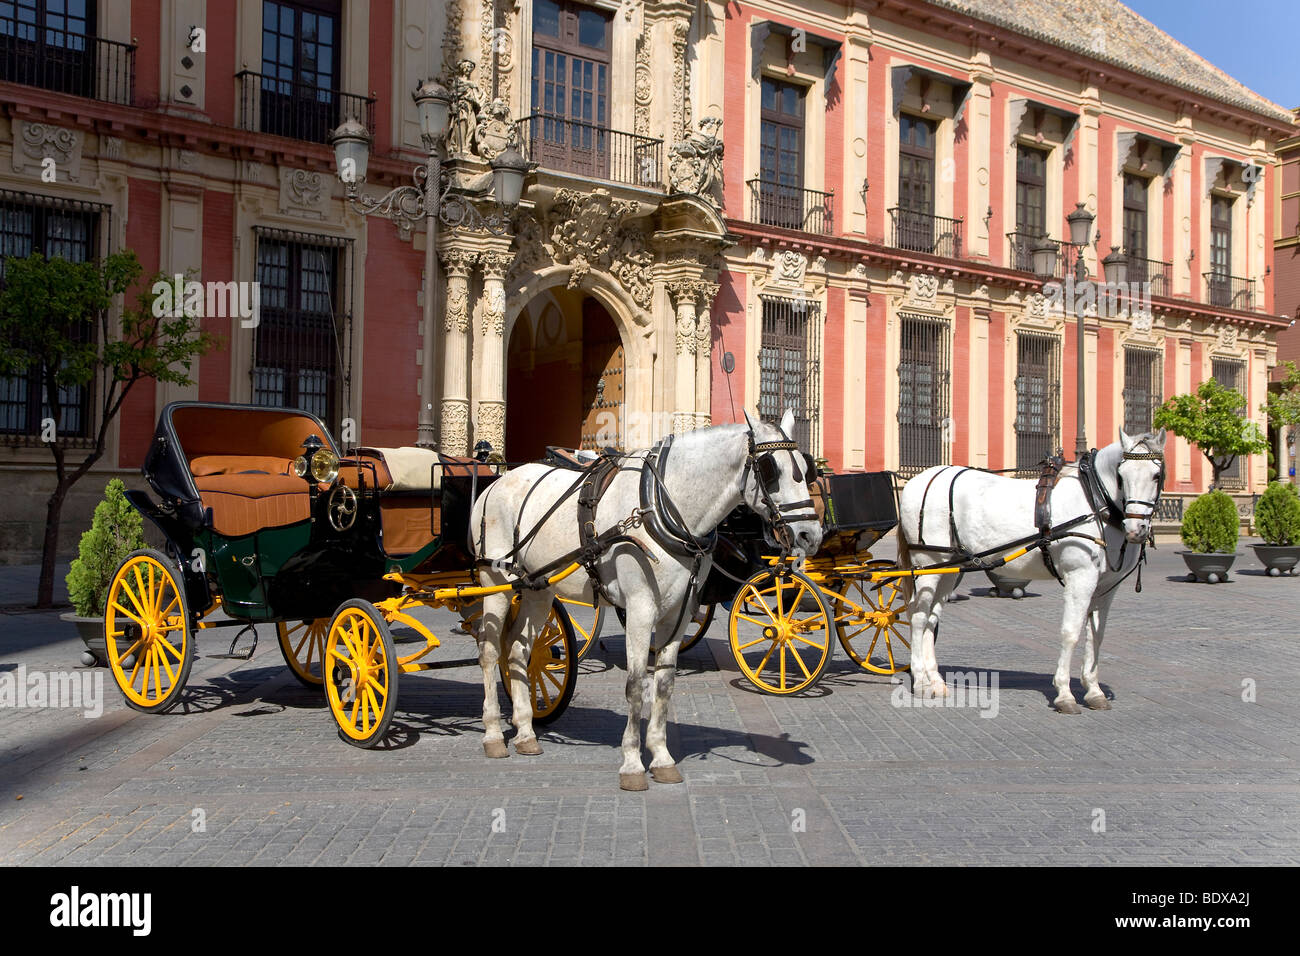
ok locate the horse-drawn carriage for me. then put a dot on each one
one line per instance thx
(265, 522)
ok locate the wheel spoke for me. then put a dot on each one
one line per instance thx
(799, 659)
(763, 662)
(130, 650)
(163, 642)
(762, 603)
(800, 637)
(751, 620)
(171, 675)
(757, 640)
(128, 613)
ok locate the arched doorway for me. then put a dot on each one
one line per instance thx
(565, 377)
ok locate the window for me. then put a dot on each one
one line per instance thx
(789, 367)
(1031, 191)
(57, 229)
(1230, 374)
(300, 69)
(571, 63)
(301, 356)
(1135, 218)
(923, 380)
(1038, 398)
(1142, 388)
(915, 223)
(1220, 278)
(49, 44)
(780, 185)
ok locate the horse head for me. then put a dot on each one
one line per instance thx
(1139, 477)
(776, 486)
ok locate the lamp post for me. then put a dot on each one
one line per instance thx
(428, 199)
(1115, 268)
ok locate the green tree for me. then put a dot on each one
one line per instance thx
(1283, 407)
(55, 322)
(1212, 419)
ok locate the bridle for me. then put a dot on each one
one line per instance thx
(1160, 484)
(762, 461)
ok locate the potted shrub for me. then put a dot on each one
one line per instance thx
(1210, 533)
(1277, 519)
(115, 532)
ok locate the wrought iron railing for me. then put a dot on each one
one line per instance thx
(1149, 271)
(66, 62)
(1021, 255)
(298, 110)
(924, 232)
(791, 207)
(1229, 292)
(569, 146)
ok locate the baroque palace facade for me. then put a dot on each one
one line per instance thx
(826, 205)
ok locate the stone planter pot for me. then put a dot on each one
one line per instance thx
(1008, 587)
(1209, 567)
(91, 631)
(1279, 559)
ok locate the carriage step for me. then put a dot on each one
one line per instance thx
(232, 654)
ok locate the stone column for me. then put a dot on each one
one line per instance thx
(490, 415)
(453, 436)
(684, 292)
(704, 355)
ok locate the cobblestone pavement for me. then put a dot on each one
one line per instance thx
(1196, 763)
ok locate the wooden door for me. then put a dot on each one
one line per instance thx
(603, 375)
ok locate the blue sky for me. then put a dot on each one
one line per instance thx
(1253, 41)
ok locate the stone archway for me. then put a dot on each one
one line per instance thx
(565, 376)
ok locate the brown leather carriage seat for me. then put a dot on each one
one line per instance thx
(240, 459)
(406, 479)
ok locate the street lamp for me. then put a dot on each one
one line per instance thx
(429, 199)
(1080, 223)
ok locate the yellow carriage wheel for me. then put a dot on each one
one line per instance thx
(148, 632)
(588, 619)
(700, 622)
(552, 668)
(303, 645)
(868, 620)
(780, 631)
(360, 673)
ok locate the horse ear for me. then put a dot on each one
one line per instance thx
(1160, 438)
(1125, 442)
(787, 423)
(748, 421)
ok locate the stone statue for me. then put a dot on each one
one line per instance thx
(495, 130)
(466, 102)
(695, 164)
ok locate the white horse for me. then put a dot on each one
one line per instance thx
(989, 512)
(652, 573)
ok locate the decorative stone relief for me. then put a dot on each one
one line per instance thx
(924, 287)
(695, 163)
(36, 142)
(585, 228)
(1141, 321)
(491, 425)
(454, 439)
(681, 79)
(457, 263)
(860, 270)
(451, 35)
(760, 254)
(111, 147)
(528, 248)
(304, 193)
(1228, 337)
(789, 268)
(819, 264)
(495, 130)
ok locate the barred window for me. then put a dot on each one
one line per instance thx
(789, 367)
(1142, 388)
(57, 228)
(302, 344)
(1230, 374)
(1038, 398)
(924, 376)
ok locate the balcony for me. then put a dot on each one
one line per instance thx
(585, 149)
(790, 207)
(1229, 292)
(297, 110)
(66, 62)
(923, 232)
(1021, 253)
(1152, 271)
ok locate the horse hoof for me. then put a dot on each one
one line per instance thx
(495, 748)
(1097, 703)
(669, 774)
(633, 781)
(528, 748)
(1067, 705)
